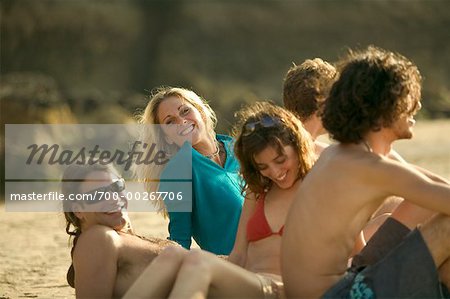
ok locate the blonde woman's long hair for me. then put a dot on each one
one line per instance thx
(149, 174)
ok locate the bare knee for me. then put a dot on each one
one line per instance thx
(439, 226)
(388, 206)
(196, 258)
(172, 254)
(435, 233)
(444, 273)
(197, 263)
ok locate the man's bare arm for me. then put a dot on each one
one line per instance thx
(406, 181)
(430, 175)
(434, 177)
(407, 212)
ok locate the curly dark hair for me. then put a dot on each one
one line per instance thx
(306, 86)
(374, 89)
(289, 131)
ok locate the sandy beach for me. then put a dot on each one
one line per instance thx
(35, 253)
(34, 248)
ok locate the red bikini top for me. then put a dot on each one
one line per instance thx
(257, 226)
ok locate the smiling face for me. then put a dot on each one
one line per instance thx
(111, 213)
(403, 127)
(182, 122)
(280, 167)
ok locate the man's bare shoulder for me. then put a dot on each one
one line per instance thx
(98, 237)
(97, 231)
(96, 247)
(373, 168)
(355, 166)
(337, 155)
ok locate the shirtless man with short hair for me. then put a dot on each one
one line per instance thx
(369, 107)
(305, 89)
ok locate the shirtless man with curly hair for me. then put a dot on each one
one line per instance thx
(370, 106)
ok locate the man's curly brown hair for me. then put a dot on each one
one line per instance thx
(375, 88)
(307, 85)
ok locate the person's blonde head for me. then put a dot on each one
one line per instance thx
(150, 174)
(150, 115)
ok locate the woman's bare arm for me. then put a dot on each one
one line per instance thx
(238, 255)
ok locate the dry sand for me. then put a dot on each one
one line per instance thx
(34, 251)
(35, 255)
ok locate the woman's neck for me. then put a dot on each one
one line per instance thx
(207, 147)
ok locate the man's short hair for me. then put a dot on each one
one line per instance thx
(306, 87)
(374, 89)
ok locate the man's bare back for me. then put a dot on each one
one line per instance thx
(356, 186)
(347, 203)
(372, 104)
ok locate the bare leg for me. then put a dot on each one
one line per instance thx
(158, 278)
(388, 206)
(385, 211)
(404, 212)
(444, 273)
(436, 235)
(374, 224)
(194, 277)
(411, 215)
(205, 275)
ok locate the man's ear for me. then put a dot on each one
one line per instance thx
(78, 212)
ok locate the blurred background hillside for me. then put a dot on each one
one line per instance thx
(93, 61)
(68, 61)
